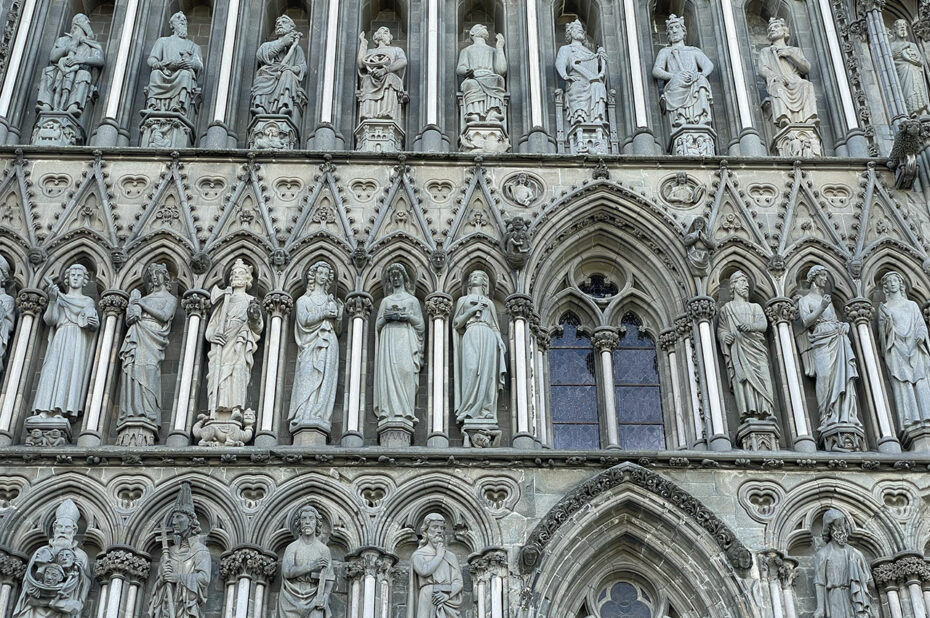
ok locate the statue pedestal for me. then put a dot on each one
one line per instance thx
(484, 137)
(843, 438)
(589, 139)
(225, 427)
(481, 435)
(395, 435)
(166, 130)
(310, 435)
(47, 431)
(379, 136)
(798, 141)
(693, 140)
(273, 132)
(757, 434)
(916, 437)
(136, 432)
(57, 129)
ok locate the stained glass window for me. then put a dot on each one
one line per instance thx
(573, 390)
(624, 600)
(636, 389)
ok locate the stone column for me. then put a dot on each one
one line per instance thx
(859, 312)
(668, 341)
(438, 306)
(370, 573)
(520, 308)
(107, 133)
(605, 341)
(358, 307)
(14, 64)
(196, 303)
(702, 310)
(324, 136)
(683, 327)
(30, 303)
(750, 144)
(912, 569)
(431, 138)
(779, 572)
(886, 581)
(538, 140)
(218, 133)
(278, 306)
(246, 572)
(781, 312)
(644, 141)
(113, 306)
(543, 340)
(12, 570)
(488, 574)
(122, 571)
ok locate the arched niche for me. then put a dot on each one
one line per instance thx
(491, 14)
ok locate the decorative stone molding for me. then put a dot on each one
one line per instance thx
(370, 561)
(781, 309)
(438, 305)
(12, 566)
(520, 306)
(278, 303)
(122, 561)
(774, 565)
(543, 338)
(737, 554)
(31, 301)
(483, 564)
(885, 574)
(248, 561)
(113, 302)
(195, 302)
(859, 311)
(358, 305)
(605, 339)
(702, 308)
(906, 568)
(668, 339)
(683, 325)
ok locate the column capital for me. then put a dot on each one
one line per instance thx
(31, 301)
(12, 566)
(859, 311)
(668, 339)
(683, 325)
(122, 561)
(485, 563)
(248, 561)
(370, 561)
(438, 305)
(543, 338)
(781, 309)
(912, 567)
(702, 308)
(359, 304)
(605, 339)
(520, 306)
(775, 566)
(885, 574)
(278, 303)
(114, 302)
(195, 301)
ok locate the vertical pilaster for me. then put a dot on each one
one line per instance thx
(520, 308)
(358, 307)
(123, 571)
(605, 340)
(438, 307)
(668, 341)
(112, 305)
(370, 571)
(750, 144)
(543, 341)
(683, 326)
(644, 142)
(196, 303)
(107, 132)
(12, 570)
(781, 312)
(488, 574)
(278, 306)
(218, 134)
(779, 571)
(14, 64)
(30, 303)
(702, 310)
(885, 575)
(243, 570)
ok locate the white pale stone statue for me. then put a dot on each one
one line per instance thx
(438, 577)
(583, 71)
(57, 577)
(905, 342)
(278, 97)
(307, 575)
(792, 97)
(176, 64)
(7, 309)
(909, 65)
(484, 92)
(841, 573)
(317, 324)
(380, 78)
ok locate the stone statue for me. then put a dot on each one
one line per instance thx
(741, 329)
(318, 322)
(699, 245)
(381, 72)
(828, 357)
(517, 243)
(583, 71)
(7, 309)
(180, 588)
(72, 319)
(67, 84)
(909, 65)
(480, 366)
(307, 576)
(282, 65)
(841, 573)
(149, 323)
(484, 109)
(904, 340)
(57, 578)
(783, 67)
(400, 329)
(438, 577)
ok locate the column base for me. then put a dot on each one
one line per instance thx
(352, 440)
(57, 129)
(266, 440)
(856, 144)
(889, 444)
(218, 137)
(431, 139)
(224, 427)
(166, 130)
(395, 435)
(644, 143)
(843, 438)
(136, 432)
(537, 140)
(106, 135)
(89, 439)
(47, 431)
(915, 437)
(6, 439)
(272, 132)
(178, 440)
(805, 444)
(437, 440)
(324, 138)
(484, 137)
(482, 435)
(523, 441)
(720, 443)
(755, 434)
(750, 144)
(310, 436)
(798, 141)
(379, 136)
(693, 141)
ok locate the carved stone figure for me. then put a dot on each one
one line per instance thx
(522, 190)
(909, 65)
(699, 245)
(149, 323)
(906, 346)
(438, 577)
(72, 319)
(686, 96)
(278, 96)
(318, 322)
(783, 67)
(400, 329)
(180, 589)
(517, 243)
(682, 190)
(7, 310)
(307, 575)
(841, 573)
(57, 578)
(381, 94)
(484, 109)
(585, 91)
(828, 358)
(480, 366)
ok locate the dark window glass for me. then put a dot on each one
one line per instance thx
(636, 390)
(623, 600)
(573, 391)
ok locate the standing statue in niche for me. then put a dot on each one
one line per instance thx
(480, 366)
(307, 576)
(909, 65)
(318, 322)
(180, 589)
(437, 575)
(149, 323)
(903, 337)
(173, 92)
(699, 244)
(278, 97)
(687, 96)
(828, 358)
(233, 331)
(67, 84)
(841, 573)
(585, 92)
(400, 329)
(381, 94)
(57, 577)
(484, 108)
(72, 319)
(7, 309)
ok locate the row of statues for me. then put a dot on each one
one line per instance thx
(278, 96)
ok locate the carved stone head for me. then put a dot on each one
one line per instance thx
(835, 527)
(156, 276)
(899, 30)
(382, 35)
(675, 28)
(574, 31)
(434, 529)
(480, 278)
(893, 284)
(396, 279)
(76, 277)
(241, 275)
(320, 274)
(817, 275)
(739, 284)
(479, 31)
(284, 25)
(306, 521)
(65, 525)
(81, 25)
(778, 29)
(178, 24)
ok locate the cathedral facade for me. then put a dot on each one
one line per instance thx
(464, 308)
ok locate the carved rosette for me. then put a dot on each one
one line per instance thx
(248, 561)
(278, 303)
(780, 310)
(439, 305)
(370, 562)
(358, 305)
(520, 306)
(122, 562)
(774, 565)
(114, 302)
(195, 302)
(605, 339)
(31, 301)
(668, 339)
(12, 567)
(859, 311)
(702, 308)
(486, 564)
